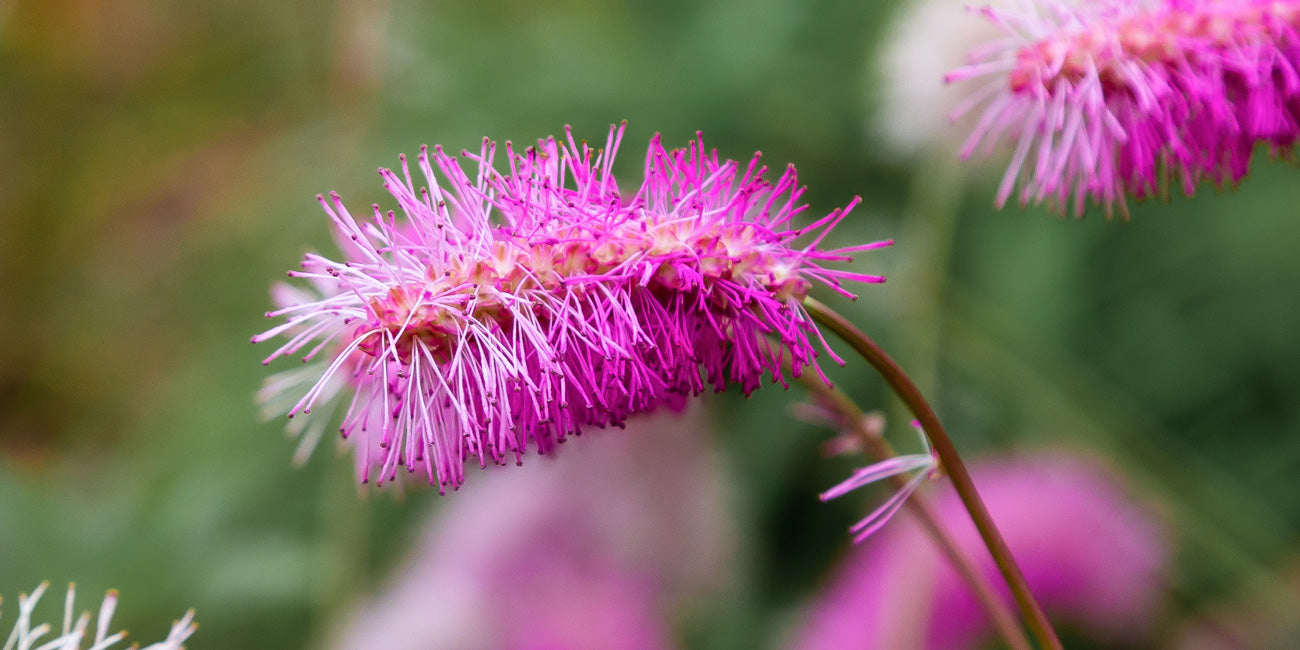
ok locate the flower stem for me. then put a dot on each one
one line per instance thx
(952, 464)
(1001, 618)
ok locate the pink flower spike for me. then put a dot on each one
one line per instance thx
(1114, 98)
(508, 312)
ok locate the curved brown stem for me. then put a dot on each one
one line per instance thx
(952, 464)
(999, 616)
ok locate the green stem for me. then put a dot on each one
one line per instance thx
(1002, 619)
(952, 464)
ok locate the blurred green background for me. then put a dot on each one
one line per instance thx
(158, 167)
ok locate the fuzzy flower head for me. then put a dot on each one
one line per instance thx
(511, 309)
(76, 633)
(1110, 98)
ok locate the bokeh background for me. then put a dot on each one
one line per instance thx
(158, 167)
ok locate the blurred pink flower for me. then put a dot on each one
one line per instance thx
(509, 311)
(594, 549)
(1092, 556)
(1114, 97)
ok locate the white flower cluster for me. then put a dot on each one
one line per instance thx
(76, 632)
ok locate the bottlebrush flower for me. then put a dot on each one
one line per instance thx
(25, 635)
(1116, 97)
(512, 310)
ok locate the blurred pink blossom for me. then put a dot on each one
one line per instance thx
(594, 549)
(1092, 556)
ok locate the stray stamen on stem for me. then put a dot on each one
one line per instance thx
(952, 463)
(866, 432)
